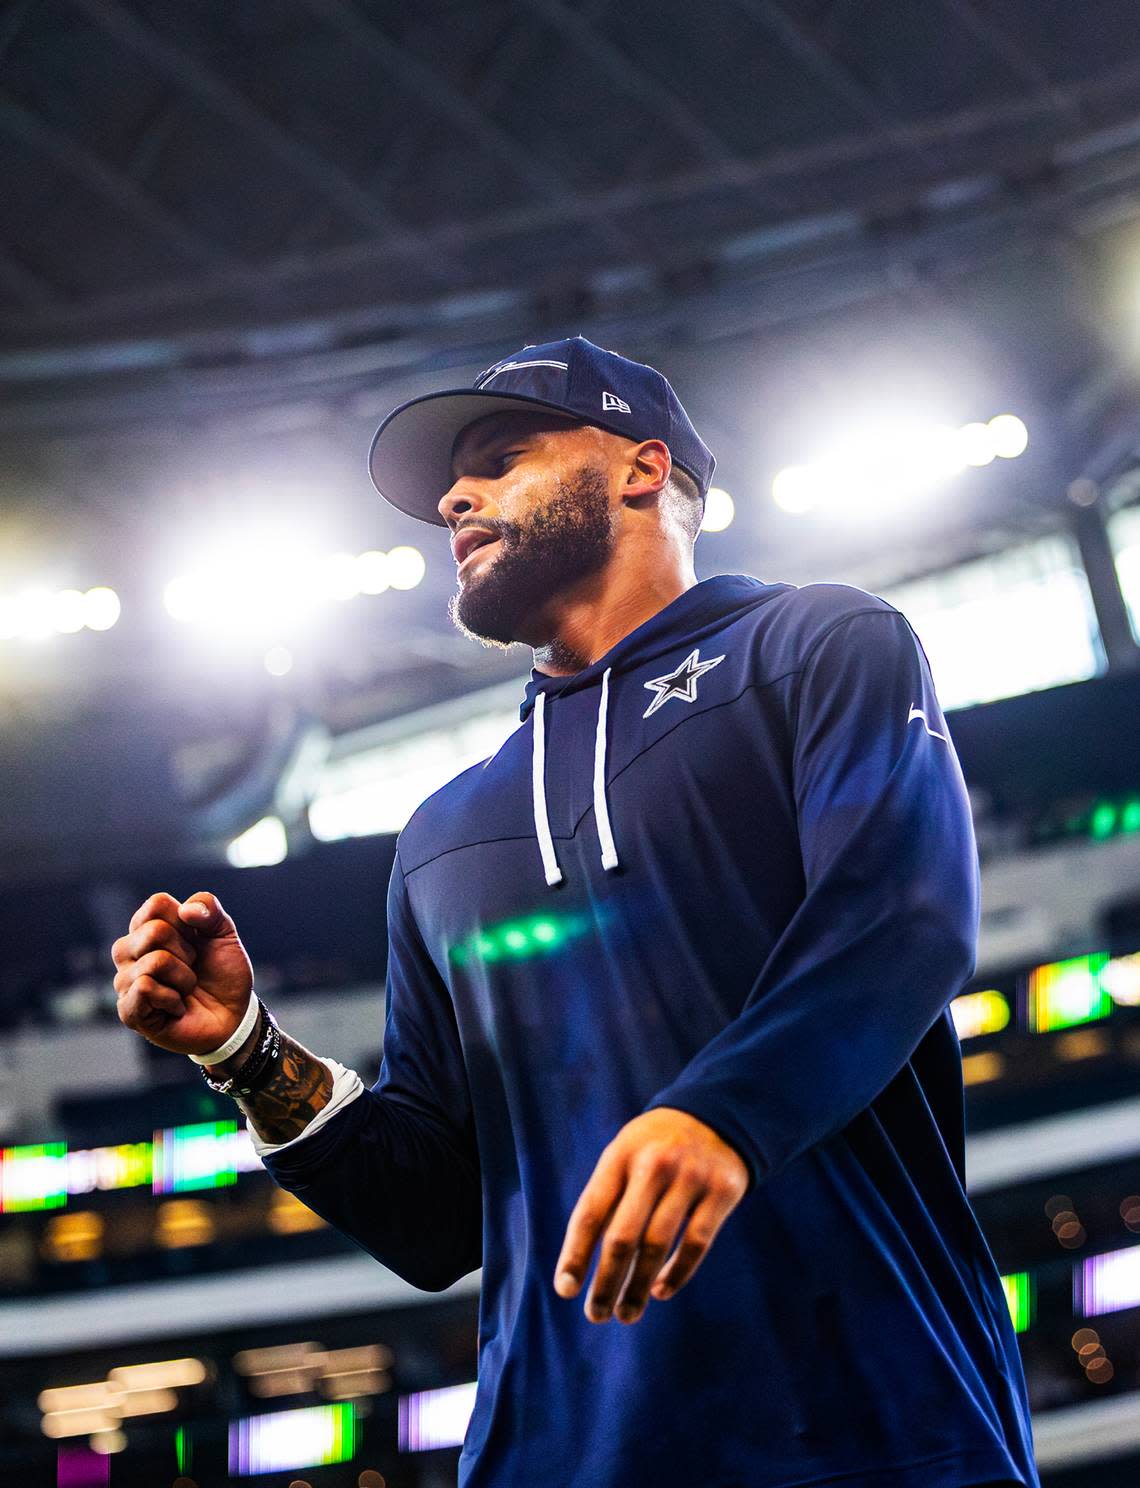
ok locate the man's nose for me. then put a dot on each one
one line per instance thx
(463, 497)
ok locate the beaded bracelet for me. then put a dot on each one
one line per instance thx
(246, 1079)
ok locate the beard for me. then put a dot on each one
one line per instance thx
(568, 539)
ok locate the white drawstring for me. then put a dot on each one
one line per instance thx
(538, 787)
(601, 812)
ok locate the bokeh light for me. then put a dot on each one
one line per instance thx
(894, 462)
(406, 567)
(719, 510)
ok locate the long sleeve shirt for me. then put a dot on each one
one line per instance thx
(727, 868)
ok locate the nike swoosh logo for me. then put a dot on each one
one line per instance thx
(918, 713)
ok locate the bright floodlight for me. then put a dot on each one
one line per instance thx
(406, 567)
(719, 510)
(278, 661)
(339, 577)
(101, 608)
(36, 614)
(797, 488)
(182, 598)
(267, 584)
(261, 845)
(1008, 435)
(893, 463)
(70, 611)
(372, 572)
(977, 443)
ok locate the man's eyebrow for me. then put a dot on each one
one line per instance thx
(484, 445)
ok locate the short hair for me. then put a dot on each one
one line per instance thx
(684, 502)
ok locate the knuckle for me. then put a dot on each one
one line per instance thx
(163, 963)
(655, 1162)
(652, 1251)
(619, 1247)
(162, 933)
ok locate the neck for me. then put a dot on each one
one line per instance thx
(583, 624)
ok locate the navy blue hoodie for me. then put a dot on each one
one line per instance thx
(728, 868)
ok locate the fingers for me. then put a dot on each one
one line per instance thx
(204, 912)
(147, 1006)
(589, 1217)
(636, 1211)
(167, 970)
(157, 907)
(151, 936)
(623, 1241)
(700, 1232)
(660, 1233)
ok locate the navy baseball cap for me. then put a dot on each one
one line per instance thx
(410, 458)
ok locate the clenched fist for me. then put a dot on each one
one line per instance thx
(184, 979)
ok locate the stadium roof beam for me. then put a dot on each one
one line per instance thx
(813, 52)
(105, 181)
(320, 173)
(622, 70)
(1118, 87)
(985, 30)
(427, 83)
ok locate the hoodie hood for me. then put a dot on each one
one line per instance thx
(704, 607)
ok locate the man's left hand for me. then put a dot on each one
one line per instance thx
(663, 1171)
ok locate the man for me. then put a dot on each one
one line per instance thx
(667, 992)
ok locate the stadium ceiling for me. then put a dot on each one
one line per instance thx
(215, 205)
(233, 235)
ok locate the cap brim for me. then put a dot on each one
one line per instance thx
(410, 458)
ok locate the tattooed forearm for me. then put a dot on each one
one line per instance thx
(297, 1088)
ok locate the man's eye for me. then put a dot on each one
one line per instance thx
(501, 460)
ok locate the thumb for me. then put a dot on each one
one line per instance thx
(203, 911)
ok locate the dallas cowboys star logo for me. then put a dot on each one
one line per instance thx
(682, 683)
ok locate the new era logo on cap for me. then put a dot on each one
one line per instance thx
(410, 459)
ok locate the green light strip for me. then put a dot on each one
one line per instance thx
(183, 1450)
(1021, 1297)
(33, 1177)
(1065, 993)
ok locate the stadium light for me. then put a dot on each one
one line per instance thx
(269, 586)
(259, 846)
(278, 661)
(894, 463)
(406, 567)
(39, 612)
(719, 510)
(101, 608)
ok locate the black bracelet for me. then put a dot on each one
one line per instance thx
(245, 1079)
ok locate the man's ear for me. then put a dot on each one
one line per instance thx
(650, 464)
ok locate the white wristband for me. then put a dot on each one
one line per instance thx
(235, 1040)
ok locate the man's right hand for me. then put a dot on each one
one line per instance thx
(183, 977)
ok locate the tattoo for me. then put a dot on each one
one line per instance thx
(299, 1086)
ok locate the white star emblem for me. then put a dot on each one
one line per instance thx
(682, 683)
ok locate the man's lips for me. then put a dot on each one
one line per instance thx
(468, 541)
